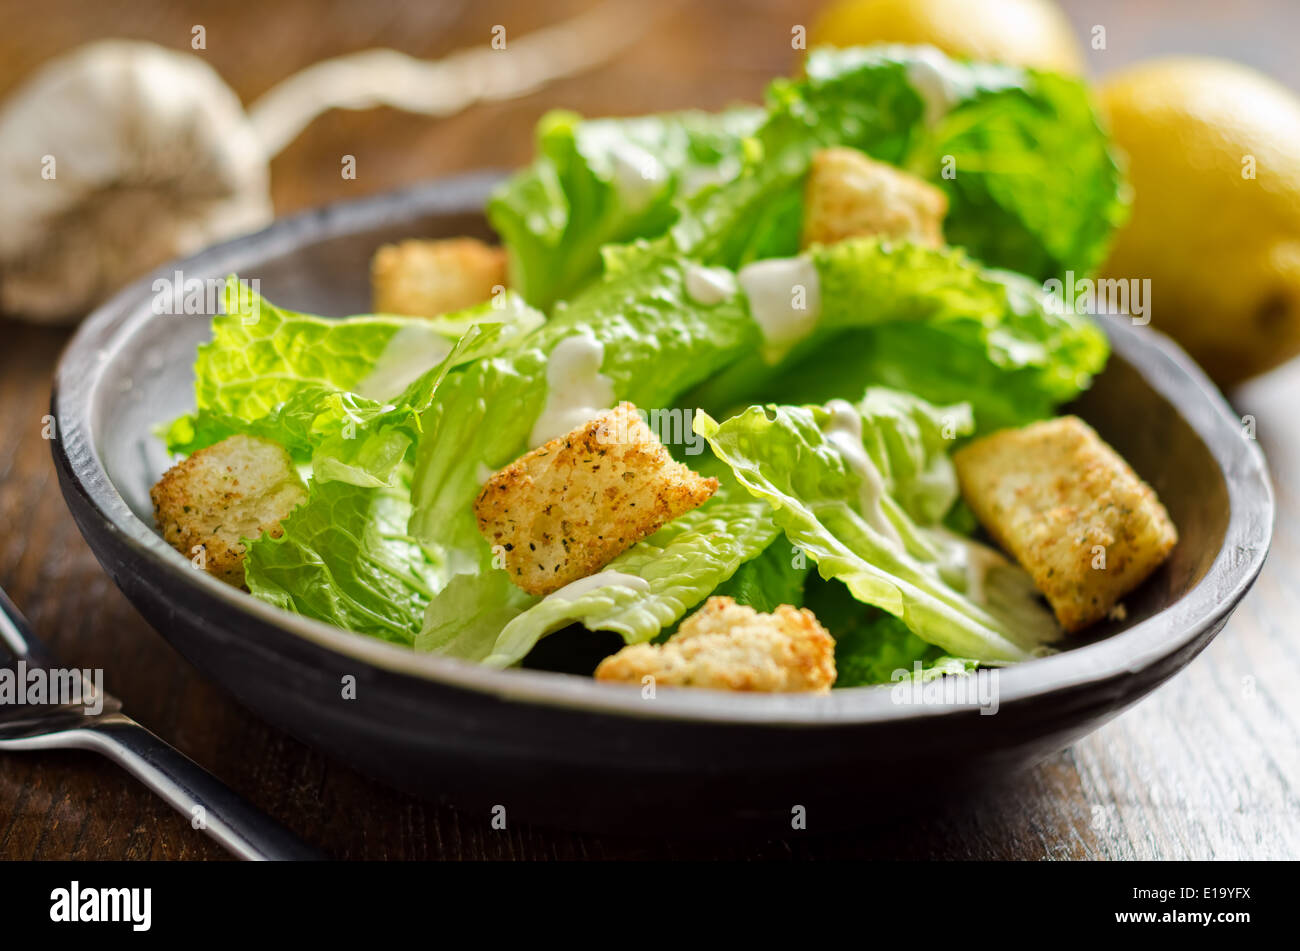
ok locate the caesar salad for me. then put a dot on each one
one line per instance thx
(769, 397)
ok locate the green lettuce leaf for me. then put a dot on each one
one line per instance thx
(1031, 181)
(949, 591)
(930, 322)
(677, 567)
(467, 616)
(766, 582)
(871, 646)
(1034, 186)
(335, 393)
(908, 441)
(365, 445)
(345, 558)
(601, 181)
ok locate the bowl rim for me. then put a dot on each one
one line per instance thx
(1164, 366)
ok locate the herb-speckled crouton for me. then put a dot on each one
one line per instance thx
(850, 195)
(565, 509)
(728, 646)
(237, 488)
(1070, 510)
(430, 278)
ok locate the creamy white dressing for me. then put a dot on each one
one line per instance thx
(696, 178)
(414, 349)
(638, 175)
(970, 561)
(785, 299)
(576, 391)
(844, 432)
(930, 74)
(942, 83)
(997, 585)
(576, 589)
(709, 285)
(978, 563)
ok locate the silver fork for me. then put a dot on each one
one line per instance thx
(187, 786)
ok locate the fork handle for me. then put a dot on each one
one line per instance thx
(187, 786)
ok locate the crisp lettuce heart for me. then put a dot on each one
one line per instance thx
(1031, 181)
(466, 618)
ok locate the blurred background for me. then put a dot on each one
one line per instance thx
(1193, 772)
(701, 54)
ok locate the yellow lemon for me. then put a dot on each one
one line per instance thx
(1023, 32)
(1213, 152)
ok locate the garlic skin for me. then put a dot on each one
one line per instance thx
(152, 158)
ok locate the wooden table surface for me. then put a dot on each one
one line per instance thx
(1207, 767)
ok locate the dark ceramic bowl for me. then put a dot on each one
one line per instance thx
(564, 749)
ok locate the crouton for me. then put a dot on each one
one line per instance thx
(237, 488)
(1070, 510)
(728, 646)
(849, 195)
(429, 278)
(565, 509)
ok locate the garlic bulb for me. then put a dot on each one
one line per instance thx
(113, 159)
(122, 154)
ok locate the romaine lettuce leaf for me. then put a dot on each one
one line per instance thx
(466, 617)
(872, 646)
(345, 558)
(261, 355)
(600, 181)
(299, 380)
(773, 578)
(1031, 181)
(834, 501)
(678, 566)
(930, 322)
(1033, 185)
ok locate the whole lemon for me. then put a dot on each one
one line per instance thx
(1023, 32)
(1213, 153)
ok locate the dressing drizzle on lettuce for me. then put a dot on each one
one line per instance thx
(835, 478)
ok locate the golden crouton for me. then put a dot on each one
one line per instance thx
(728, 646)
(1070, 510)
(849, 195)
(237, 488)
(564, 510)
(430, 278)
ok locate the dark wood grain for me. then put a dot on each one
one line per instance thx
(1207, 767)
